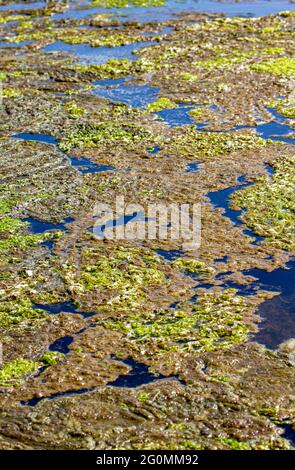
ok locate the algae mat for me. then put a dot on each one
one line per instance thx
(140, 344)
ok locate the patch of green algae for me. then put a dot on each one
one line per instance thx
(74, 110)
(11, 225)
(20, 311)
(234, 444)
(12, 373)
(123, 275)
(284, 67)
(160, 104)
(270, 204)
(104, 132)
(192, 266)
(212, 144)
(214, 322)
(76, 36)
(51, 358)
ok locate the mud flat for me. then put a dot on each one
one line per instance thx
(121, 344)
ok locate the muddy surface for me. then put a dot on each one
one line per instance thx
(117, 344)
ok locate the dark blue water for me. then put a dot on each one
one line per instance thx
(97, 55)
(44, 138)
(39, 226)
(138, 375)
(62, 344)
(66, 307)
(136, 96)
(178, 116)
(280, 280)
(153, 150)
(100, 231)
(221, 199)
(84, 165)
(289, 432)
(193, 167)
(170, 255)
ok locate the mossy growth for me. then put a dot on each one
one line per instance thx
(192, 266)
(11, 93)
(160, 104)
(105, 132)
(214, 322)
(213, 144)
(269, 204)
(115, 68)
(10, 225)
(284, 67)
(73, 110)
(220, 63)
(127, 3)
(2, 76)
(6, 205)
(25, 241)
(93, 37)
(9, 18)
(234, 444)
(51, 358)
(12, 373)
(19, 312)
(121, 278)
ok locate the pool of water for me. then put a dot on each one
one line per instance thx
(97, 55)
(173, 7)
(136, 96)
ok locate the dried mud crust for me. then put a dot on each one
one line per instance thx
(215, 389)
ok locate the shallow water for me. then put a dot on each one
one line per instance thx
(97, 55)
(173, 7)
(136, 96)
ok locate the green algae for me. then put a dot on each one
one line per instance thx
(222, 63)
(11, 225)
(11, 93)
(214, 322)
(74, 110)
(13, 372)
(234, 444)
(93, 37)
(51, 358)
(160, 104)
(192, 266)
(213, 144)
(23, 242)
(9, 18)
(284, 67)
(269, 204)
(19, 312)
(105, 132)
(123, 276)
